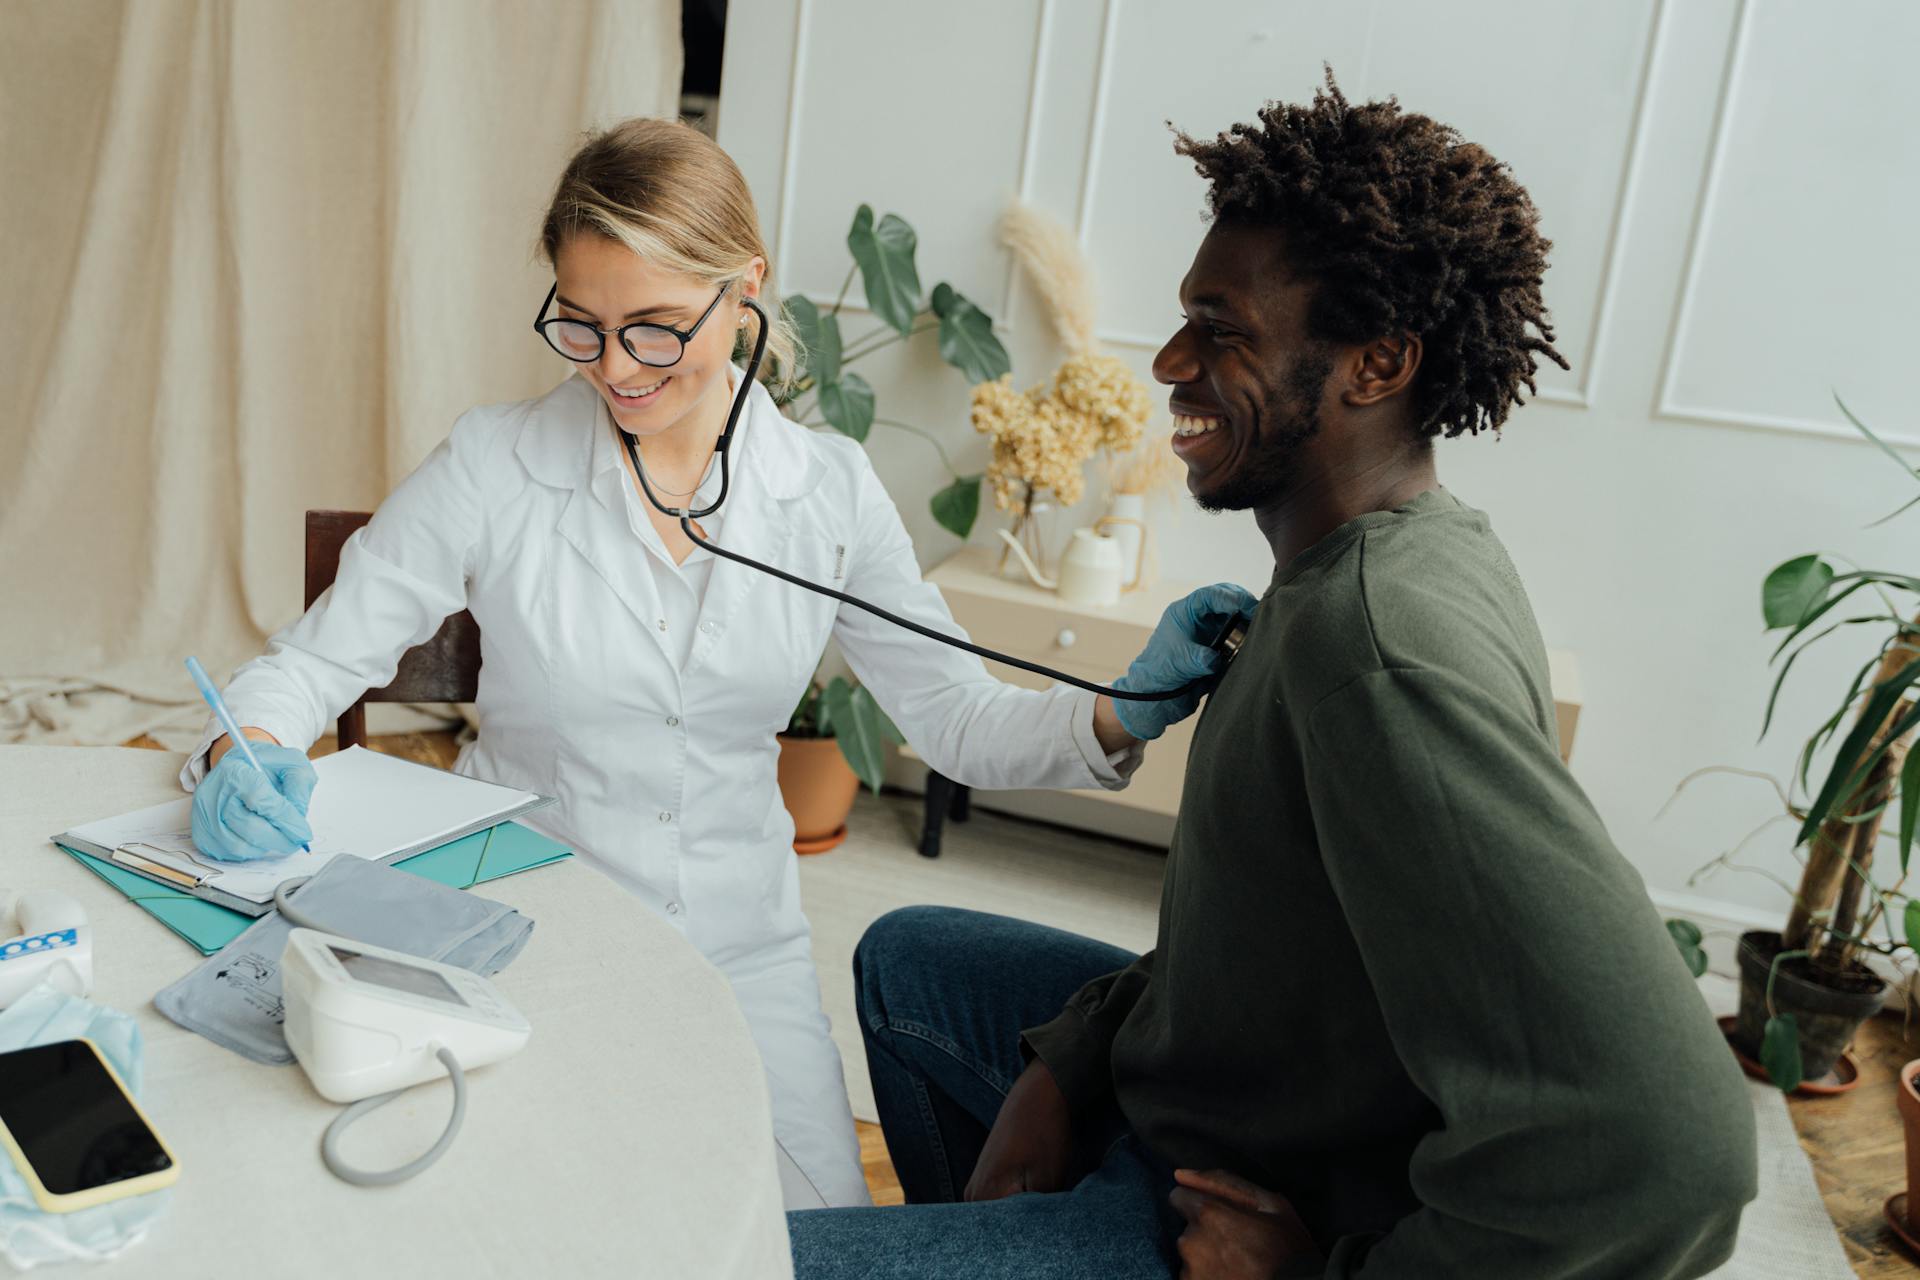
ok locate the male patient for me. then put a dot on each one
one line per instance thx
(1410, 1013)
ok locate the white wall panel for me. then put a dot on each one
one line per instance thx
(1140, 214)
(1564, 117)
(1730, 181)
(931, 128)
(1804, 263)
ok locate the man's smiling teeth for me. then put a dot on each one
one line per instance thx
(638, 393)
(1185, 426)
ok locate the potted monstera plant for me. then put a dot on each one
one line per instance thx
(829, 394)
(837, 736)
(835, 741)
(1803, 989)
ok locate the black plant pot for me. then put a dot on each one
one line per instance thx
(1827, 1016)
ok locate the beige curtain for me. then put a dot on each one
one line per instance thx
(257, 256)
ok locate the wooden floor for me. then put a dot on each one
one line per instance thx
(878, 1168)
(1858, 1150)
(1854, 1139)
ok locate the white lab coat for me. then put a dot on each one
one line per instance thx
(665, 776)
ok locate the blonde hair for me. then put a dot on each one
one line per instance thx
(669, 193)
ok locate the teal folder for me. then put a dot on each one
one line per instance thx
(498, 851)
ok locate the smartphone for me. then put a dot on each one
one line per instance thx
(73, 1130)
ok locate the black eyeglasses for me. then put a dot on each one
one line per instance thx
(658, 345)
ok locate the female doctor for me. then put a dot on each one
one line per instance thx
(633, 675)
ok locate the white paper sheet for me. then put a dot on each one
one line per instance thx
(365, 804)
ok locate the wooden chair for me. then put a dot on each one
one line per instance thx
(444, 669)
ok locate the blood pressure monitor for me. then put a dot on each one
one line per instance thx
(364, 1020)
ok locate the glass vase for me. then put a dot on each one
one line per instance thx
(1027, 531)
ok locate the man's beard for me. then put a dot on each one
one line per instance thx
(1293, 418)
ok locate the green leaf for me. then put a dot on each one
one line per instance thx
(1780, 1052)
(1773, 696)
(1820, 611)
(1832, 722)
(859, 727)
(805, 718)
(1900, 510)
(1686, 937)
(823, 356)
(966, 337)
(820, 335)
(847, 405)
(1850, 766)
(1904, 581)
(885, 256)
(1794, 588)
(1912, 923)
(804, 316)
(1885, 448)
(833, 693)
(957, 506)
(1909, 806)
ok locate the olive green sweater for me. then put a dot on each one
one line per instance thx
(1403, 976)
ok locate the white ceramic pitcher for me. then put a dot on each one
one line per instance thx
(1090, 571)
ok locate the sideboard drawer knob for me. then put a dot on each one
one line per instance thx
(1066, 638)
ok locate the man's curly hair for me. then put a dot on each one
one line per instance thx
(1405, 227)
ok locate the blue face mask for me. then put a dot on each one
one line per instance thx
(28, 1234)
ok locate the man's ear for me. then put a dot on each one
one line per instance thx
(1382, 369)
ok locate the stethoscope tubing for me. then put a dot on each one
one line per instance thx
(687, 516)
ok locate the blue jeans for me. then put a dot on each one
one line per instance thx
(943, 995)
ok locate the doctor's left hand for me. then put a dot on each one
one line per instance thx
(1177, 657)
(241, 813)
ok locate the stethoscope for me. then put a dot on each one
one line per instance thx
(1226, 643)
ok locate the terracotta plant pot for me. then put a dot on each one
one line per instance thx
(1827, 1016)
(818, 786)
(1899, 1204)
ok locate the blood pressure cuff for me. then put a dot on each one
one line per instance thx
(233, 997)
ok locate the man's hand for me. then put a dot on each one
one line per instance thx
(1235, 1229)
(1031, 1145)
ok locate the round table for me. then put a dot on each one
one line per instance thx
(632, 1136)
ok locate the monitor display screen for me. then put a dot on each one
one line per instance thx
(378, 971)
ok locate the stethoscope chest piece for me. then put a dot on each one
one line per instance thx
(1232, 636)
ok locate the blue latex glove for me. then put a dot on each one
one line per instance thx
(1177, 655)
(240, 813)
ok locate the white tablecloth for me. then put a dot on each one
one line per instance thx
(631, 1137)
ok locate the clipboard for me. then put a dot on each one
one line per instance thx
(500, 851)
(380, 807)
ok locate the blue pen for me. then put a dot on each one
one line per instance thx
(225, 717)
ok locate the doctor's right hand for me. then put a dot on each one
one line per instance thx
(241, 813)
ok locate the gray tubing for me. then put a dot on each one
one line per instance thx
(290, 913)
(330, 1144)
